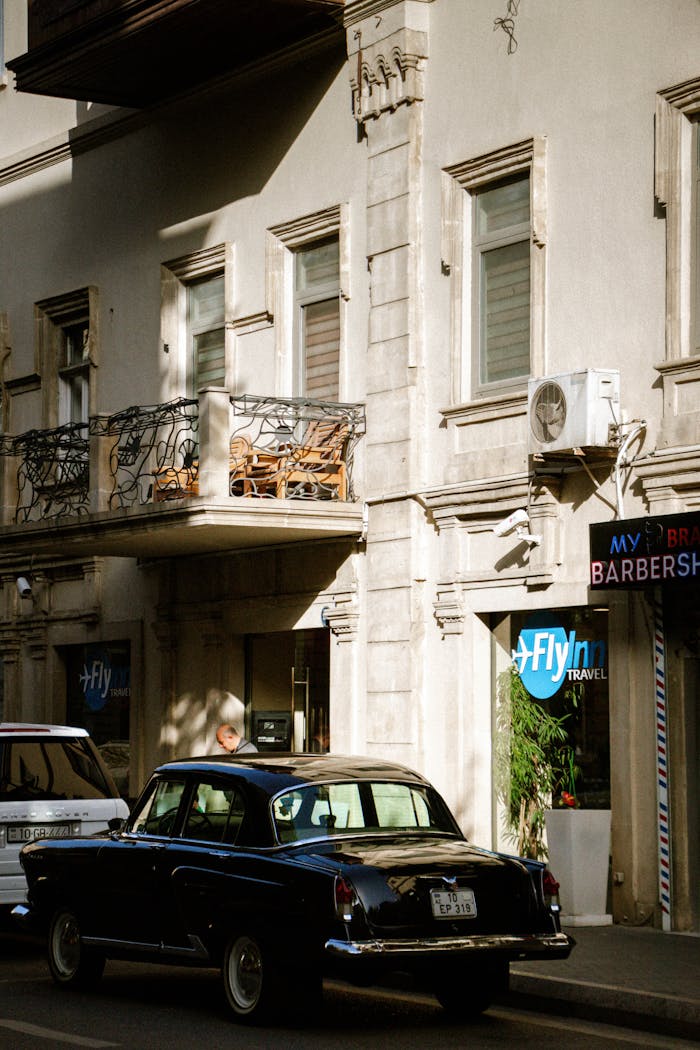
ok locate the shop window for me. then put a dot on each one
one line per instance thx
(98, 698)
(562, 660)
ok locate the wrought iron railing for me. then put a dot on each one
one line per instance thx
(150, 446)
(53, 472)
(293, 448)
(279, 448)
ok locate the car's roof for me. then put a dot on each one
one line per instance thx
(38, 729)
(277, 772)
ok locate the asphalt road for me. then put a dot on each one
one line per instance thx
(144, 1007)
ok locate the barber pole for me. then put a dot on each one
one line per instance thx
(662, 764)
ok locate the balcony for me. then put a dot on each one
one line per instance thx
(186, 477)
(137, 52)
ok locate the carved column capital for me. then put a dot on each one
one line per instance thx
(386, 57)
(342, 618)
(449, 612)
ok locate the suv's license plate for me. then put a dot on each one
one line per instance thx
(453, 904)
(30, 832)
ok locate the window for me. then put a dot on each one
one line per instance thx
(501, 269)
(2, 46)
(158, 812)
(216, 813)
(205, 334)
(493, 250)
(364, 807)
(696, 239)
(307, 294)
(67, 350)
(74, 372)
(677, 189)
(195, 308)
(316, 287)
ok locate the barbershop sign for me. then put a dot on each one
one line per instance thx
(646, 552)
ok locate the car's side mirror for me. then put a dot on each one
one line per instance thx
(116, 824)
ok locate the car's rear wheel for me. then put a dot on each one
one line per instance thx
(465, 994)
(250, 977)
(70, 962)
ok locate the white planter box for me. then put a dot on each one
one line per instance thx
(579, 855)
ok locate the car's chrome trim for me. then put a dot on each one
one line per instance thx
(517, 945)
(195, 951)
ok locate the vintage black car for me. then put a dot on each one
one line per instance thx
(283, 869)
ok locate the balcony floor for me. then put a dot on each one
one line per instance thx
(194, 526)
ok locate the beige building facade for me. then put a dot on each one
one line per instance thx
(320, 363)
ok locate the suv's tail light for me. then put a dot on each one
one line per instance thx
(345, 899)
(550, 888)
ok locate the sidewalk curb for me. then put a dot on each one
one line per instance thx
(613, 1004)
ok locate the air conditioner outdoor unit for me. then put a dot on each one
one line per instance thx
(573, 410)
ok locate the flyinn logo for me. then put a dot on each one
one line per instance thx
(546, 654)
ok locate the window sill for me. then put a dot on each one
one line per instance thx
(512, 403)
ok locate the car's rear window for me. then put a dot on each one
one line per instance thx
(56, 769)
(363, 807)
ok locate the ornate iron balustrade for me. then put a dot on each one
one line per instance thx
(153, 454)
(53, 472)
(293, 448)
(289, 448)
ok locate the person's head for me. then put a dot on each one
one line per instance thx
(227, 737)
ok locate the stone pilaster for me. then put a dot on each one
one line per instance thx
(387, 49)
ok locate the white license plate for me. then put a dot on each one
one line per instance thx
(453, 904)
(30, 832)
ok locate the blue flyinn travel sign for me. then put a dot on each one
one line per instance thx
(546, 655)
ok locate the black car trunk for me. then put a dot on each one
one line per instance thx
(434, 887)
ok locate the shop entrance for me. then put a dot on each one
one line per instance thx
(287, 690)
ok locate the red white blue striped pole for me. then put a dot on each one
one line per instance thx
(664, 840)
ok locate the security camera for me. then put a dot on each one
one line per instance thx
(517, 520)
(24, 587)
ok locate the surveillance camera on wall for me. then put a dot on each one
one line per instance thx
(517, 520)
(24, 587)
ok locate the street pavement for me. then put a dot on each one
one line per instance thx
(623, 975)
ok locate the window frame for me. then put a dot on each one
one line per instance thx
(677, 113)
(322, 293)
(177, 277)
(284, 241)
(482, 246)
(54, 318)
(192, 370)
(461, 183)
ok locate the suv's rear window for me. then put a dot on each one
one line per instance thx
(58, 769)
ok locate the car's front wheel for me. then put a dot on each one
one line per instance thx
(70, 962)
(250, 978)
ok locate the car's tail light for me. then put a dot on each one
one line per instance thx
(345, 899)
(550, 888)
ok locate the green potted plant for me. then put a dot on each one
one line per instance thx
(536, 776)
(533, 760)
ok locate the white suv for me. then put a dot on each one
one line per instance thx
(53, 784)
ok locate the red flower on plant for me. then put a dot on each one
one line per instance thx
(568, 799)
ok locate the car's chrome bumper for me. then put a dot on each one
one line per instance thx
(514, 946)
